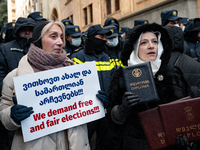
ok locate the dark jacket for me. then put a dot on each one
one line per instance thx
(70, 49)
(192, 41)
(114, 55)
(189, 67)
(12, 52)
(172, 87)
(104, 67)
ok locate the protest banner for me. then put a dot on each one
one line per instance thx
(61, 98)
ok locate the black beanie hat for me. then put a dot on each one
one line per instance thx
(36, 39)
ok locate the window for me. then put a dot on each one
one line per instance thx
(91, 13)
(108, 6)
(117, 7)
(85, 15)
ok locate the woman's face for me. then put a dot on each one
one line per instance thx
(148, 47)
(52, 41)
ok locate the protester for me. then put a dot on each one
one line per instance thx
(94, 50)
(73, 39)
(46, 52)
(37, 16)
(148, 42)
(189, 67)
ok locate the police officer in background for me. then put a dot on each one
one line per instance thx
(112, 45)
(67, 22)
(140, 22)
(94, 50)
(114, 22)
(170, 17)
(123, 31)
(73, 39)
(10, 54)
(37, 16)
(9, 32)
(3, 35)
(182, 22)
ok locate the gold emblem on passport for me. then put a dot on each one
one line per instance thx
(174, 13)
(112, 30)
(137, 72)
(76, 29)
(188, 113)
(40, 14)
(13, 24)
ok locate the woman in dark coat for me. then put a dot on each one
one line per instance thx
(154, 42)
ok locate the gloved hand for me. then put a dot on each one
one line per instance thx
(103, 97)
(20, 112)
(129, 100)
(183, 144)
(14, 100)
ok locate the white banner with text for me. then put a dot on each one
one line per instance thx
(61, 98)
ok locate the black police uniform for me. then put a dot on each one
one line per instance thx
(67, 22)
(105, 69)
(37, 16)
(113, 52)
(10, 54)
(9, 32)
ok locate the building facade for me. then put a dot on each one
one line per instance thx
(88, 12)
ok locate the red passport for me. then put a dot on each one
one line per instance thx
(182, 117)
(152, 125)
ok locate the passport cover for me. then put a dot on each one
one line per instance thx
(139, 80)
(183, 118)
(153, 128)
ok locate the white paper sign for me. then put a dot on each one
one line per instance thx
(61, 98)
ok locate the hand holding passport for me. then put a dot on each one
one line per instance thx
(163, 124)
(139, 80)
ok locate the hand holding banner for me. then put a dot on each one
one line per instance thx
(61, 98)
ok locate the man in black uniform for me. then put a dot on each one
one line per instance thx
(10, 54)
(73, 39)
(67, 22)
(170, 17)
(37, 16)
(9, 32)
(94, 51)
(140, 22)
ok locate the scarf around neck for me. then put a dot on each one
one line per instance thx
(41, 60)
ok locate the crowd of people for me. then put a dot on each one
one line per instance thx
(34, 44)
